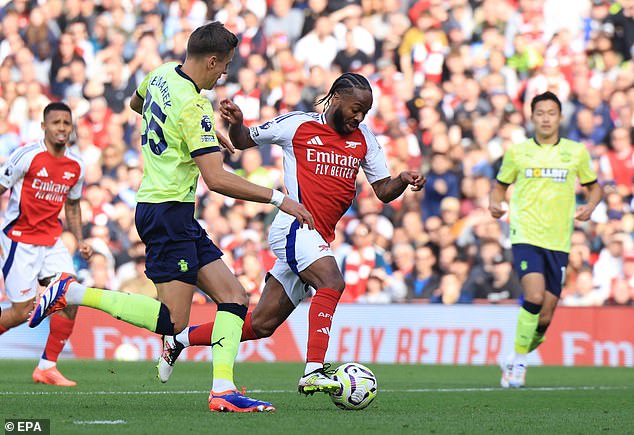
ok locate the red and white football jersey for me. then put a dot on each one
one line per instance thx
(321, 166)
(40, 184)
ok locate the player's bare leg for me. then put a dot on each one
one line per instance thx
(323, 275)
(15, 315)
(272, 310)
(177, 296)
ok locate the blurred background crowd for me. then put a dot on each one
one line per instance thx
(452, 82)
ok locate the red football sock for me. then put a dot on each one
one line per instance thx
(61, 328)
(201, 335)
(247, 330)
(320, 313)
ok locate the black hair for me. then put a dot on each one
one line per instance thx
(211, 38)
(56, 106)
(544, 97)
(345, 83)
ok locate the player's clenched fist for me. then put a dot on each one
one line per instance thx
(413, 178)
(85, 250)
(230, 112)
(496, 209)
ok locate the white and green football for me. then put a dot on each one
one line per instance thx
(358, 386)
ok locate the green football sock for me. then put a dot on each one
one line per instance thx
(538, 338)
(526, 326)
(138, 310)
(225, 339)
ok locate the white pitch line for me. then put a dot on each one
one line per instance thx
(487, 389)
(99, 422)
(413, 390)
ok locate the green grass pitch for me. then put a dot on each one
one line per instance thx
(126, 398)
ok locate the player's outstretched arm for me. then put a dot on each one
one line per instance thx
(497, 197)
(238, 132)
(229, 184)
(388, 189)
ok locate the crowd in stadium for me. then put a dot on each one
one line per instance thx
(452, 82)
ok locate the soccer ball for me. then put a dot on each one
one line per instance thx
(127, 352)
(358, 386)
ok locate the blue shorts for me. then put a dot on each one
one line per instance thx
(533, 259)
(176, 246)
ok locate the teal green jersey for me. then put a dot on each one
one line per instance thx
(543, 199)
(178, 125)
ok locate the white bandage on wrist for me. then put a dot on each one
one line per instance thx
(277, 198)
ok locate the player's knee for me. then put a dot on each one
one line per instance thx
(536, 298)
(239, 297)
(335, 283)
(22, 313)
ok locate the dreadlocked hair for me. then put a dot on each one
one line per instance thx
(344, 83)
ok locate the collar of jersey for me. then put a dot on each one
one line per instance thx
(180, 72)
(555, 144)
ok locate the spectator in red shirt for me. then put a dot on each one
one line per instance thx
(97, 119)
(618, 164)
(359, 262)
